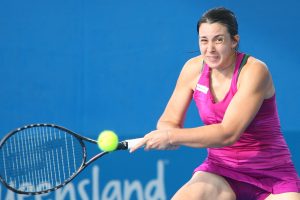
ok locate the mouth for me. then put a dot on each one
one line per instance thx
(212, 58)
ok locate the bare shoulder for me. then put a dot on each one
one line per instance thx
(191, 70)
(256, 73)
(254, 68)
(194, 63)
(255, 64)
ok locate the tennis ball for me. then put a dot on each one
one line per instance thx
(108, 140)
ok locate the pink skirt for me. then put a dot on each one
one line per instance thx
(276, 180)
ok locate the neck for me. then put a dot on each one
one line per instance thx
(226, 70)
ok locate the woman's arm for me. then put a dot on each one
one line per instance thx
(175, 111)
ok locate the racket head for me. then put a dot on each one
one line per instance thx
(40, 158)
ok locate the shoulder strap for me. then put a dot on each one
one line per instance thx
(245, 58)
(202, 67)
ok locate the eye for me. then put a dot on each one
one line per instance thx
(203, 41)
(219, 40)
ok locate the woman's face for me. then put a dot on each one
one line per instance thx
(216, 45)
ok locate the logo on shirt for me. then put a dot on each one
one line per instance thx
(202, 88)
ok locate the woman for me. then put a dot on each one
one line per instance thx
(248, 158)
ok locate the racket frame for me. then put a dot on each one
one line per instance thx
(123, 145)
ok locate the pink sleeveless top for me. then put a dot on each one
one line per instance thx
(260, 156)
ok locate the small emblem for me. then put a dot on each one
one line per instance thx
(202, 88)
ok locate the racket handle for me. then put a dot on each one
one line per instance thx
(128, 144)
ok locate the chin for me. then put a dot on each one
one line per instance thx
(213, 64)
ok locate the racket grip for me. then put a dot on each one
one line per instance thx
(122, 145)
(128, 144)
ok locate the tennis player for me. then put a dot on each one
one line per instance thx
(248, 158)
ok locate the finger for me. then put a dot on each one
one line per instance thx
(138, 145)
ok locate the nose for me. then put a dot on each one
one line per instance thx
(211, 46)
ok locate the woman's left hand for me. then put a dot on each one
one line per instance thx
(157, 139)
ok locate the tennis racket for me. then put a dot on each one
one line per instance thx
(40, 158)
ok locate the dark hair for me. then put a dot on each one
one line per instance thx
(220, 15)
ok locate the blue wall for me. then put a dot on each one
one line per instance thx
(94, 65)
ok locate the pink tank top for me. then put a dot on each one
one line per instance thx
(260, 156)
(261, 145)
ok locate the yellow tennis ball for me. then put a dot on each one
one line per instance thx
(108, 140)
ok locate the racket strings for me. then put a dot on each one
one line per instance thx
(39, 158)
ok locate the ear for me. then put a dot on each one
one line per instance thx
(235, 41)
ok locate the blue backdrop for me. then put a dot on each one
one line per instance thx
(94, 65)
